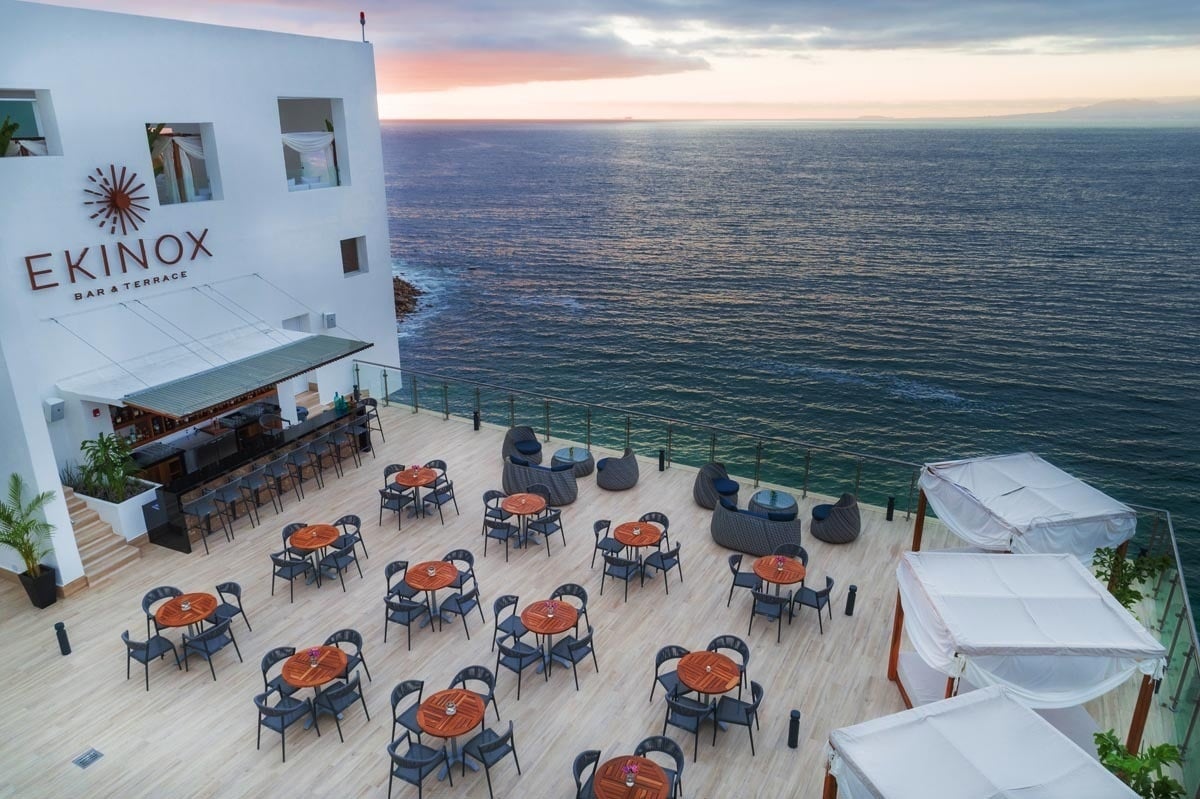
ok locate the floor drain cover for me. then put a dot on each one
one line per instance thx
(87, 758)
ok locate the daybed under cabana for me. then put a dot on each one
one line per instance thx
(1040, 625)
(979, 745)
(1022, 503)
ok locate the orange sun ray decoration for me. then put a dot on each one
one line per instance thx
(118, 201)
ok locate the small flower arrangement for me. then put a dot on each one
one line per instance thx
(780, 561)
(551, 607)
(314, 654)
(630, 771)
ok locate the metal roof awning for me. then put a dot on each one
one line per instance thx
(194, 393)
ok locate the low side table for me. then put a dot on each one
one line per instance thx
(768, 501)
(582, 458)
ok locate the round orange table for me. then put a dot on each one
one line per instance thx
(430, 576)
(523, 506)
(299, 672)
(314, 537)
(650, 782)
(172, 614)
(548, 618)
(433, 718)
(416, 479)
(638, 534)
(779, 570)
(708, 672)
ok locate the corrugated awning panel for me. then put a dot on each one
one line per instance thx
(194, 393)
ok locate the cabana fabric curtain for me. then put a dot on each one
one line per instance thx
(26, 147)
(316, 154)
(1039, 625)
(981, 745)
(1022, 503)
(185, 148)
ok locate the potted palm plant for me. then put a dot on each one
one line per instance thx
(22, 529)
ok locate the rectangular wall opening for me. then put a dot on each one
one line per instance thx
(314, 151)
(184, 158)
(354, 256)
(27, 126)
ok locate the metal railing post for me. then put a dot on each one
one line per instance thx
(416, 403)
(387, 399)
(712, 447)
(478, 407)
(445, 401)
(1174, 706)
(626, 431)
(857, 476)
(807, 468)
(758, 448)
(669, 450)
(546, 413)
(912, 486)
(587, 424)
(1170, 596)
(512, 411)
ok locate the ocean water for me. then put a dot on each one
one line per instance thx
(917, 293)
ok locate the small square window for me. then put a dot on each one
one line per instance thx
(314, 154)
(27, 123)
(354, 256)
(184, 157)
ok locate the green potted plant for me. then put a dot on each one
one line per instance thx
(7, 129)
(29, 535)
(108, 468)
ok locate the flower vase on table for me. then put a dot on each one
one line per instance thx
(314, 656)
(630, 771)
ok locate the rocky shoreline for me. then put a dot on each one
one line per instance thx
(406, 297)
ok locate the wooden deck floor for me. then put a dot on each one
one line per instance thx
(191, 736)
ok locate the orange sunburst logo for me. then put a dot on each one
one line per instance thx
(116, 199)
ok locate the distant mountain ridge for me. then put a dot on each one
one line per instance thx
(1183, 111)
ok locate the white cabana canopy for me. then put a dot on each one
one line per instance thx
(982, 745)
(1040, 625)
(1021, 503)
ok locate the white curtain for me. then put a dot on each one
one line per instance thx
(184, 148)
(26, 147)
(315, 149)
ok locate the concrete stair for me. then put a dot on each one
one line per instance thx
(102, 551)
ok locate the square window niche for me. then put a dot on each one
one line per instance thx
(354, 256)
(315, 155)
(184, 158)
(29, 127)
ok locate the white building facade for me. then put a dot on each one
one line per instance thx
(177, 197)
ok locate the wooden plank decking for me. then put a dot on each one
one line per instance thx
(191, 736)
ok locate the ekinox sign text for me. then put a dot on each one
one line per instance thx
(105, 269)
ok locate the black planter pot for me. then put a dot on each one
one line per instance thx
(41, 589)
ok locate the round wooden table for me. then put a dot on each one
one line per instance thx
(172, 614)
(650, 782)
(548, 618)
(523, 506)
(434, 720)
(314, 537)
(299, 672)
(638, 534)
(416, 479)
(708, 673)
(779, 570)
(430, 576)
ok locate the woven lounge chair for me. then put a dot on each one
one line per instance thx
(751, 533)
(713, 483)
(838, 523)
(519, 475)
(617, 474)
(523, 443)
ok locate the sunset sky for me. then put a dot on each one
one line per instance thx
(738, 59)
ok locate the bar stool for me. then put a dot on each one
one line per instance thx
(372, 414)
(200, 511)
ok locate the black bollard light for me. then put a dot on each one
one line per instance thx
(63, 643)
(794, 730)
(475, 419)
(662, 460)
(850, 596)
(891, 511)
